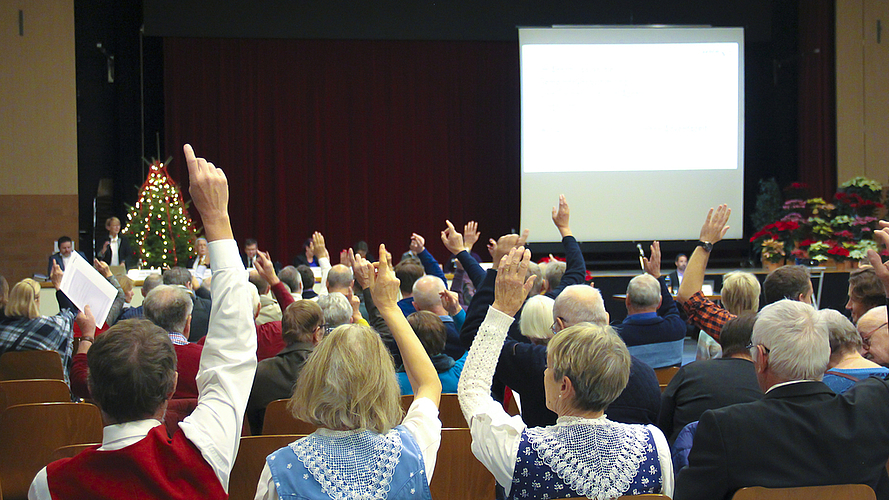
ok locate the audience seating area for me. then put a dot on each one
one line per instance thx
(18, 365)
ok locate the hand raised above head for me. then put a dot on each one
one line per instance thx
(319, 246)
(715, 227)
(102, 267)
(384, 286)
(418, 243)
(470, 235)
(452, 239)
(652, 266)
(501, 247)
(86, 322)
(209, 192)
(561, 216)
(512, 287)
(450, 302)
(56, 275)
(265, 268)
(344, 257)
(363, 271)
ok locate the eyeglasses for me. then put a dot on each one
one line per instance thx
(751, 345)
(865, 337)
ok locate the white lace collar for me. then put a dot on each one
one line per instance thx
(596, 458)
(351, 464)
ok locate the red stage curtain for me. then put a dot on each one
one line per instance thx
(365, 140)
(817, 97)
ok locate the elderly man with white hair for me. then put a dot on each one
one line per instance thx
(427, 297)
(652, 330)
(801, 433)
(874, 330)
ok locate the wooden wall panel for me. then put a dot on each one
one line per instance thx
(29, 226)
(850, 89)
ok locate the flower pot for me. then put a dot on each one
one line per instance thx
(770, 266)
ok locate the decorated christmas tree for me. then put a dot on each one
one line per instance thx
(159, 225)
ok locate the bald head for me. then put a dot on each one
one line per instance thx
(426, 293)
(339, 279)
(578, 304)
(875, 335)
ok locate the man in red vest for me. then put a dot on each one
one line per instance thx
(133, 375)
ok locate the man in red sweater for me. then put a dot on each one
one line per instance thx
(169, 307)
(133, 375)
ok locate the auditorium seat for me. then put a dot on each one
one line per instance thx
(665, 375)
(844, 491)
(30, 434)
(18, 365)
(69, 451)
(458, 474)
(17, 392)
(250, 461)
(279, 420)
(448, 411)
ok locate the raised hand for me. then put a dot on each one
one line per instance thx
(56, 275)
(502, 247)
(102, 267)
(881, 268)
(715, 227)
(450, 302)
(418, 243)
(265, 268)
(344, 257)
(652, 266)
(453, 240)
(86, 322)
(363, 271)
(209, 192)
(561, 216)
(384, 286)
(523, 238)
(470, 235)
(318, 246)
(511, 287)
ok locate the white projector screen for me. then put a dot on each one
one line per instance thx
(641, 128)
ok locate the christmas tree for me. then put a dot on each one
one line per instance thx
(159, 225)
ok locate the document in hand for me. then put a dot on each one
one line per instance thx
(85, 286)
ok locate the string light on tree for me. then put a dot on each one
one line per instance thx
(164, 233)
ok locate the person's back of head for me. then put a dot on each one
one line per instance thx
(336, 308)
(168, 307)
(426, 292)
(308, 277)
(539, 282)
(349, 383)
(177, 276)
(300, 320)
(578, 304)
(431, 331)
(262, 286)
(643, 293)
(866, 288)
(740, 292)
(339, 278)
(553, 273)
(841, 333)
(408, 272)
(132, 370)
(795, 337)
(537, 318)
(150, 283)
(788, 282)
(596, 361)
(291, 277)
(735, 335)
(23, 300)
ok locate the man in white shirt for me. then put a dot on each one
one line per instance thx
(203, 451)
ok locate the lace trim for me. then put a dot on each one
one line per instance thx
(351, 465)
(596, 458)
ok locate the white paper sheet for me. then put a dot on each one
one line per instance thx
(85, 286)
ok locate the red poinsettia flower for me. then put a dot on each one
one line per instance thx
(844, 234)
(807, 242)
(838, 250)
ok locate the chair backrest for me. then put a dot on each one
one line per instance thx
(448, 411)
(18, 392)
(665, 375)
(30, 433)
(458, 474)
(659, 355)
(844, 491)
(279, 420)
(250, 461)
(18, 365)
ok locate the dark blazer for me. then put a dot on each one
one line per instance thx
(706, 385)
(58, 258)
(127, 257)
(200, 318)
(274, 379)
(797, 435)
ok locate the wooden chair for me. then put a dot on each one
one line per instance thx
(69, 451)
(665, 375)
(18, 365)
(279, 420)
(18, 392)
(844, 491)
(250, 461)
(458, 474)
(30, 433)
(448, 411)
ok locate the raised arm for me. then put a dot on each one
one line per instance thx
(713, 230)
(384, 290)
(265, 268)
(457, 245)
(881, 268)
(228, 362)
(323, 258)
(575, 267)
(430, 265)
(119, 299)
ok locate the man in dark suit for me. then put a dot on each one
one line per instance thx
(800, 433)
(674, 279)
(652, 330)
(200, 314)
(250, 249)
(66, 248)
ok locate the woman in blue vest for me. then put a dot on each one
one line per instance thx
(362, 448)
(584, 454)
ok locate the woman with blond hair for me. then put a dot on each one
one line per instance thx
(740, 295)
(362, 448)
(584, 453)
